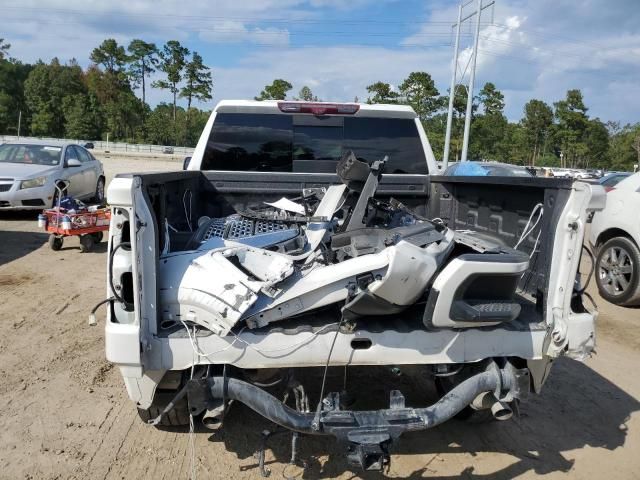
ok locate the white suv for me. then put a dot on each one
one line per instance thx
(615, 235)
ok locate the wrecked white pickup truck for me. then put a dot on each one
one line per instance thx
(226, 285)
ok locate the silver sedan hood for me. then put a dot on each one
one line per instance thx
(23, 171)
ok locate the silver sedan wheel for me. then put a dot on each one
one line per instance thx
(615, 270)
(100, 190)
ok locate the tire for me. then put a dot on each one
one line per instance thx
(177, 417)
(55, 242)
(86, 243)
(99, 195)
(618, 271)
(97, 237)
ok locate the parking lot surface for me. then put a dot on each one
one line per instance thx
(65, 412)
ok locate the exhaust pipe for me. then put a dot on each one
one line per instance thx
(501, 411)
(212, 419)
(488, 401)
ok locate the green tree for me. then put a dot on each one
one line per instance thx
(12, 78)
(460, 101)
(419, 90)
(4, 49)
(173, 61)
(143, 61)
(307, 95)
(489, 128)
(382, 93)
(197, 121)
(45, 90)
(198, 83)
(160, 127)
(435, 127)
(82, 116)
(110, 55)
(571, 115)
(537, 122)
(276, 91)
(596, 139)
(492, 99)
(487, 133)
(622, 153)
(123, 113)
(111, 86)
(512, 147)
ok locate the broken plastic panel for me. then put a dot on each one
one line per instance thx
(342, 247)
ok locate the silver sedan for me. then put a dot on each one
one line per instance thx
(30, 171)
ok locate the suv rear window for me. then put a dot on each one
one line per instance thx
(306, 143)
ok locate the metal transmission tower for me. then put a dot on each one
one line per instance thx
(447, 136)
(474, 54)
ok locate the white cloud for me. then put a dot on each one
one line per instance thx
(69, 28)
(234, 31)
(334, 73)
(339, 4)
(542, 48)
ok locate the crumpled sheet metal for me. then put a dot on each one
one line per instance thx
(208, 289)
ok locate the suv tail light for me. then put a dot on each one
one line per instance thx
(608, 189)
(319, 108)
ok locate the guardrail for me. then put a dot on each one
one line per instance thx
(108, 146)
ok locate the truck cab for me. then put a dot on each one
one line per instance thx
(302, 137)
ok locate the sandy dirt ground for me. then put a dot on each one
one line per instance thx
(65, 413)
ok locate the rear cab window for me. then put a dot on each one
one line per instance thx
(309, 143)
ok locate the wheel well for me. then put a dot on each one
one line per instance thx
(612, 233)
(61, 185)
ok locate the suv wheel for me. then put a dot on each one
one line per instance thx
(618, 272)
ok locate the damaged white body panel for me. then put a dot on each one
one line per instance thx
(317, 288)
(209, 290)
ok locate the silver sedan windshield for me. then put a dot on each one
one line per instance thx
(30, 154)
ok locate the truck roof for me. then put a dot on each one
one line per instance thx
(271, 106)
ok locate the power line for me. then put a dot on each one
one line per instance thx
(345, 34)
(266, 19)
(274, 32)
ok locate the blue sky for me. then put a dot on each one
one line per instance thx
(529, 48)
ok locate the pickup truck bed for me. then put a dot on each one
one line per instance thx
(495, 207)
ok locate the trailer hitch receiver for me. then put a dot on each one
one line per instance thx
(369, 451)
